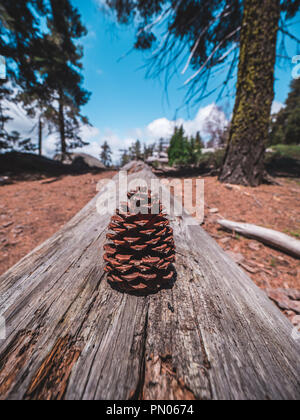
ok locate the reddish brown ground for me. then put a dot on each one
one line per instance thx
(32, 211)
(275, 207)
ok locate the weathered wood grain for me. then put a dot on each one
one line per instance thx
(214, 335)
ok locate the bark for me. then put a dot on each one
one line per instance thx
(40, 137)
(62, 125)
(244, 159)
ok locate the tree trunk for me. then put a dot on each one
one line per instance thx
(40, 137)
(62, 125)
(244, 159)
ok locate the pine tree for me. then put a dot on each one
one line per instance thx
(180, 150)
(219, 33)
(286, 127)
(136, 151)
(19, 38)
(105, 155)
(48, 65)
(244, 158)
(62, 72)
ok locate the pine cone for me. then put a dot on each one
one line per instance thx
(141, 250)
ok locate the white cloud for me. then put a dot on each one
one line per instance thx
(164, 128)
(276, 107)
(161, 127)
(20, 121)
(27, 127)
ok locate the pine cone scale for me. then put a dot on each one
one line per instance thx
(141, 250)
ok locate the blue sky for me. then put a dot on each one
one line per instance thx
(125, 105)
(123, 101)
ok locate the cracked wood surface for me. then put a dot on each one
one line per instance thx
(214, 335)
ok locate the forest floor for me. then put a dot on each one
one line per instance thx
(272, 206)
(32, 211)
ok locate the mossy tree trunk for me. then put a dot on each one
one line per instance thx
(244, 159)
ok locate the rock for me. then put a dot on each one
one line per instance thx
(80, 161)
(28, 163)
(213, 211)
(4, 180)
(283, 301)
(254, 246)
(232, 187)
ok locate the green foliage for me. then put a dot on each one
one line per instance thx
(288, 151)
(184, 151)
(296, 233)
(179, 150)
(286, 127)
(212, 160)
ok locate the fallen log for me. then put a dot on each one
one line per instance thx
(268, 236)
(214, 335)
